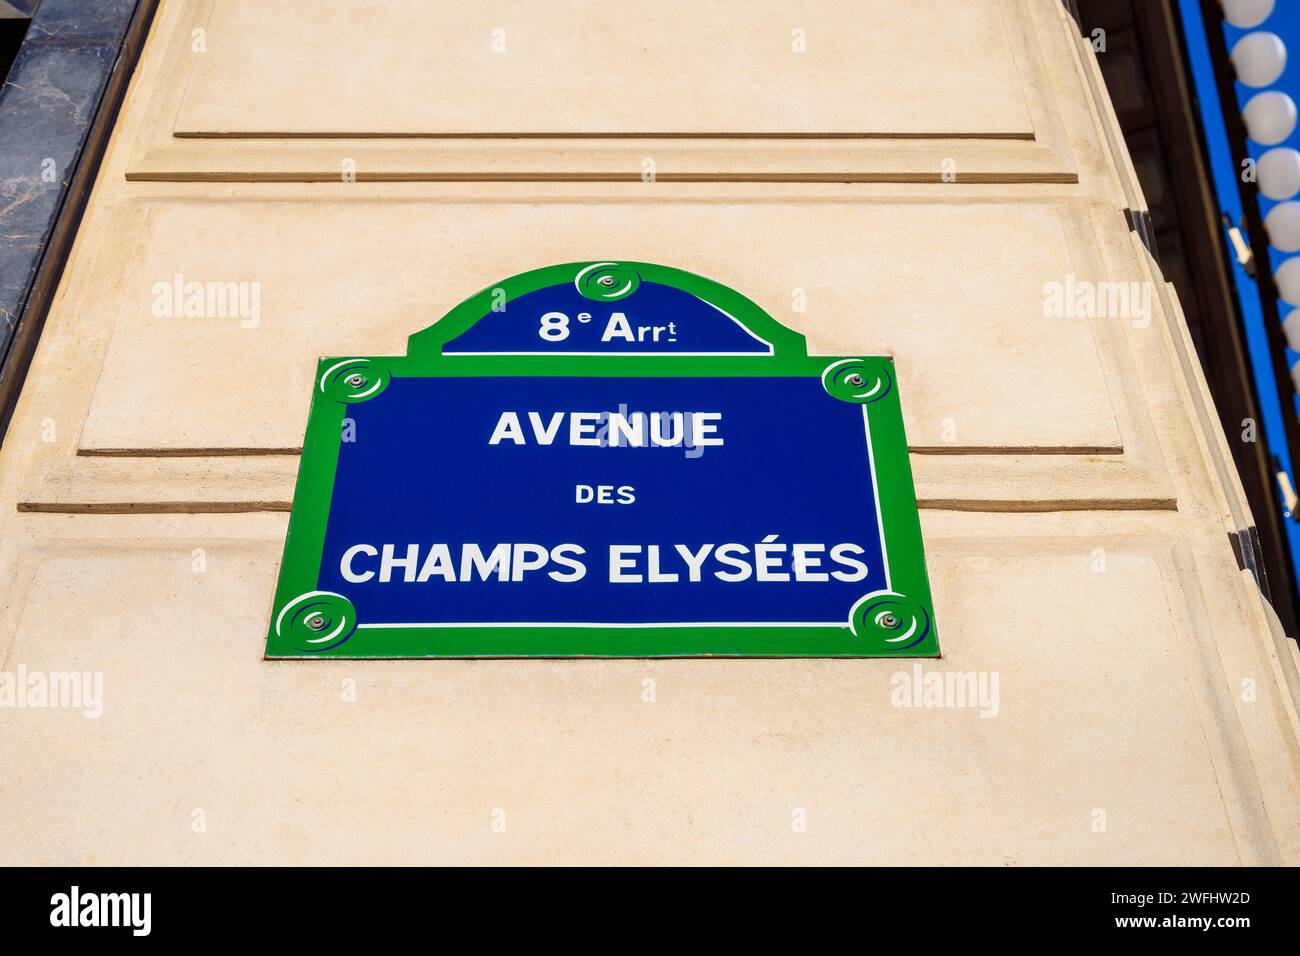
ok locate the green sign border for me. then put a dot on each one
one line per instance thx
(309, 624)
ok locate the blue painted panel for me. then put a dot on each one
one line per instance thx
(421, 471)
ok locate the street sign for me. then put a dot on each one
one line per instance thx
(604, 460)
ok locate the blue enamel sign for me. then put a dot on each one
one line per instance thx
(604, 459)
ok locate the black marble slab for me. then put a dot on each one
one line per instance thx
(81, 19)
(47, 105)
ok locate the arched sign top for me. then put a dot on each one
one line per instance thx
(608, 308)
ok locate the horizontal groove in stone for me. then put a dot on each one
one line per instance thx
(323, 134)
(332, 176)
(1046, 505)
(1014, 450)
(150, 507)
(185, 452)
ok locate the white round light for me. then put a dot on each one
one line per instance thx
(1247, 13)
(1291, 329)
(1287, 278)
(1259, 57)
(1283, 225)
(1270, 117)
(1278, 173)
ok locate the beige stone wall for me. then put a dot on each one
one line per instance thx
(1076, 493)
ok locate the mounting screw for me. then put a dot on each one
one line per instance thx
(356, 380)
(888, 621)
(316, 622)
(606, 280)
(855, 380)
